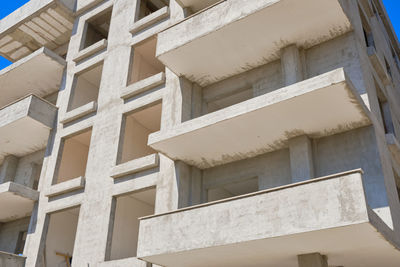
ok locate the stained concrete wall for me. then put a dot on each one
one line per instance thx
(9, 233)
(25, 170)
(353, 150)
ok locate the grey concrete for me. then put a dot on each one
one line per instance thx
(8, 169)
(244, 115)
(11, 260)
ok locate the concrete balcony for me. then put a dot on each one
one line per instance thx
(204, 47)
(327, 214)
(25, 126)
(321, 106)
(11, 260)
(40, 73)
(16, 201)
(39, 23)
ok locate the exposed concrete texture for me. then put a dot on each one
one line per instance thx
(308, 107)
(39, 73)
(239, 117)
(16, 200)
(8, 169)
(30, 114)
(297, 214)
(9, 234)
(301, 159)
(11, 260)
(38, 23)
(193, 41)
(292, 66)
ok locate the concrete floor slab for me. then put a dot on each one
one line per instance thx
(16, 201)
(40, 73)
(222, 45)
(322, 106)
(25, 126)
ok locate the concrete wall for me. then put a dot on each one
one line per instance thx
(9, 233)
(178, 184)
(24, 170)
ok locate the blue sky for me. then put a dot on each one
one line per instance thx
(8, 6)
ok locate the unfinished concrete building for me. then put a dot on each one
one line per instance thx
(200, 133)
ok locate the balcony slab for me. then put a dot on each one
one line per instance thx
(25, 126)
(321, 106)
(38, 23)
(40, 73)
(270, 228)
(208, 47)
(16, 201)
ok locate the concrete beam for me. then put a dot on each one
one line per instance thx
(312, 260)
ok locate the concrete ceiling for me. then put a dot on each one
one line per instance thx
(320, 106)
(40, 73)
(39, 23)
(358, 245)
(16, 201)
(210, 47)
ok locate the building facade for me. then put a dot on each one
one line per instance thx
(194, 133)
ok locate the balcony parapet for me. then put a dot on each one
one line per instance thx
(275, 225)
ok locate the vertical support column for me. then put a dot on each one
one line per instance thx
(312, 260)
(301, 160)
(8, 169)
(292, 66)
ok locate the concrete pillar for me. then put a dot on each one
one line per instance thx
(301, 160)
(312, 260)
(292, 65)
(8, 169)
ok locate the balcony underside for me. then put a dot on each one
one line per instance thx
(25, 126)
(321, 106)
(16, 201)
(270, 228)
(208, 47)
(40, 73)
(39, 23)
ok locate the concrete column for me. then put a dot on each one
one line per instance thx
(8, 169)
(292, 66)
(312, 260)
(301, 160)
